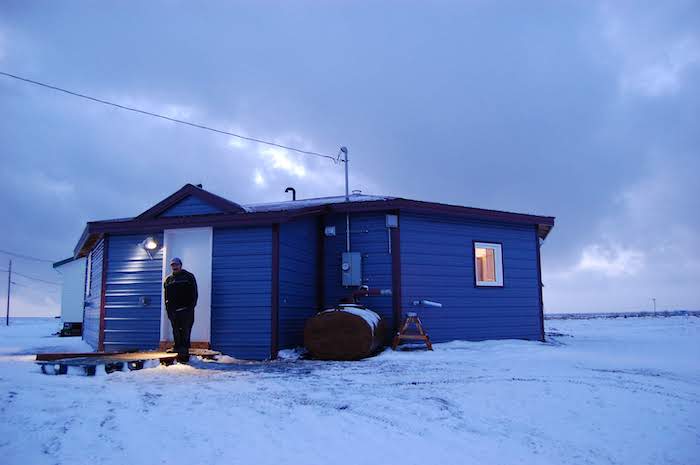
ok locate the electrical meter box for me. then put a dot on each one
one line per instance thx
(351, 269)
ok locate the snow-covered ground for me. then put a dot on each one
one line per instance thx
(599, 392)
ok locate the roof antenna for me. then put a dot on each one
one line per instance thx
(294, 192)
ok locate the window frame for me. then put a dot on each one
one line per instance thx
(498, 257)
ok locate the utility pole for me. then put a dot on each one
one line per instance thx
(344, 151)
(9, 287)
(653, 299)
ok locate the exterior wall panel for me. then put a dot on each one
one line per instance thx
(132, 276)
(190, 205)
(298, 279)
(437, 264)
(369, 236)
(73, 290)
(242, 292)
(93, 297)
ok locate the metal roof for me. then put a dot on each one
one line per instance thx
(288, 205)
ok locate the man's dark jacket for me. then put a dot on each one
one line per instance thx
(180, 291)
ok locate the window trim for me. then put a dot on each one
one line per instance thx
(499, 255)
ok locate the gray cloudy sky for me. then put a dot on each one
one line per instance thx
(587, 111)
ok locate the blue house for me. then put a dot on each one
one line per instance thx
(263, 269)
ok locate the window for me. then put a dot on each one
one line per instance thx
(488, 264)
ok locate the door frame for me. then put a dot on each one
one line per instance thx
(202, 282)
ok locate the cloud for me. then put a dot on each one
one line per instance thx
(41, 183)
(611, 260)
(665, 75)
(645, 247)
(171, 110)
(3, 46)
(32, 299)
(237, 142)
(549, 113)
(654, 61)
(258, 179)
(282, 160)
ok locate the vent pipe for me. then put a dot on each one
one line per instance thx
(294, 192)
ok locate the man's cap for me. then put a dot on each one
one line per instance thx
(176, 260)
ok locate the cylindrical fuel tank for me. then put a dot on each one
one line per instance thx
(347, 332)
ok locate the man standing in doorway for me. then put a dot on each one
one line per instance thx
(180, 299)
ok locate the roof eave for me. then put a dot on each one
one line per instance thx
(95, 230)
(62, 262)
(545, 223)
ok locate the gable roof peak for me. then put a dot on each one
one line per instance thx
(225, 205)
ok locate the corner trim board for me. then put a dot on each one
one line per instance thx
(539, 284)
(320, 263)
(275, 292)
(103, 294)
(396, 274)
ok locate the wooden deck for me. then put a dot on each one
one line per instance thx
(58, 363)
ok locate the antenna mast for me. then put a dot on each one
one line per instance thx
(344, 151)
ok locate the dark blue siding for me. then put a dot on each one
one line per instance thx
(298, 279)
(437, 264)
(241, 292)
(91, 315)
(131, 275)
(368, 235)
(190, 206)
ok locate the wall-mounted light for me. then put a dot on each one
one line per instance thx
(149, 244)
(329, 231)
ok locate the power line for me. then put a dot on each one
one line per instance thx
(26, 257)
(31, 277)
(175, 120)
(36, 279)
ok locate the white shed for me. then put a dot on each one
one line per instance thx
(72, 272)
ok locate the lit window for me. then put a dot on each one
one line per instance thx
(488, 264)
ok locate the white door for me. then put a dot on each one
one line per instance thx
(193, 246)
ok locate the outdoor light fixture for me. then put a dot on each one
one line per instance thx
(149, 244)
(329, 231)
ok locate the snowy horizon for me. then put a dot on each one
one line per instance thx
(583, 111)
(601, 391)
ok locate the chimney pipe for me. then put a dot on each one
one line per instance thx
(294, 192)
